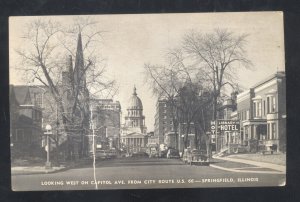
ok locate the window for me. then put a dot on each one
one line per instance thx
(268, 105)
(165, 117)
(247, 114)
(273, 104)
(38, 99)
(264, 107)
(19, 135)
(273, 136)
(259, 109)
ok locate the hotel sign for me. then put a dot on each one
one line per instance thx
(228, 125)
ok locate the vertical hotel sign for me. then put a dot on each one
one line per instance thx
(223, 126)
(213, 128)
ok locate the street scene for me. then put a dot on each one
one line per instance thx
(133, 173)
(147, 101)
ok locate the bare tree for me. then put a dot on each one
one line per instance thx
(206, 63)
(178, 85)
(44, 62)
(217, 55)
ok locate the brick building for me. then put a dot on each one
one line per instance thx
(262, 111)
(163, 126)
(25, 121)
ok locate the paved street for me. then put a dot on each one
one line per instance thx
(132, 173)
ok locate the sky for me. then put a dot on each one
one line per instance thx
(131, 40)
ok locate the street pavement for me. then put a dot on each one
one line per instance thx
(145, 173)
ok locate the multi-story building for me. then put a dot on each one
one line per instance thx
(262, 111)
(134, 131)
(163, 126)
(227, 111)
(107, 122)
(26, 126)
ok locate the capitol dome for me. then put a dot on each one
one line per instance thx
(134, 101)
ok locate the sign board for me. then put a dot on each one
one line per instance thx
(213, 128)
(229, 125)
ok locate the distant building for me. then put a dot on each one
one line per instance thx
(227, 111)
(163, 121)
(134, 131)
(26, 127)
(107, 124)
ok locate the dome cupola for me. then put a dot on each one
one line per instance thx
(134, 101)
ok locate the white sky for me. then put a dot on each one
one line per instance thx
(130, 41)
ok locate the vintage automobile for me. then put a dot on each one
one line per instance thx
(153, 152)
(195, 157)
(105, 153)
(173, 154)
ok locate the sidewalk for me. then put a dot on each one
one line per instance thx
(40, 169)
(29, 170)
(259, 164)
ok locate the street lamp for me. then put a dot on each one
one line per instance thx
(47, 133)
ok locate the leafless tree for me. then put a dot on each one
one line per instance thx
(178, 85)
(206, 63)
(217, 55)
(43, 60)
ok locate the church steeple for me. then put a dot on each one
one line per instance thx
(79, 63)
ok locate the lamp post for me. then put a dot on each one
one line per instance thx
(47, 133)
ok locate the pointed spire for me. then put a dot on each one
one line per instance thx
(134, 90)
(79, 62)
(79, 53)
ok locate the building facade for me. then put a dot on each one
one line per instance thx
(134, 131)
(262, 111)
(163, 125)
(26, 126)
(106, 118)
(228, 140)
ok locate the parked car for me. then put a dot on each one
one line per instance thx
(196, 157)
(139, 154)
(153, 153)
(173, 154)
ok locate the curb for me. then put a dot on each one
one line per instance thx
(47, 171)
(244, 171)
(39, 172)
(276, 167)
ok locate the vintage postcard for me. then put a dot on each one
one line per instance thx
(147, 101)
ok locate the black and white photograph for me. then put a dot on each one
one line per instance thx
(147, 101)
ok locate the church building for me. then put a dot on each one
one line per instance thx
(134, 131)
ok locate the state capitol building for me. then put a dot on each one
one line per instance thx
(134, 131)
